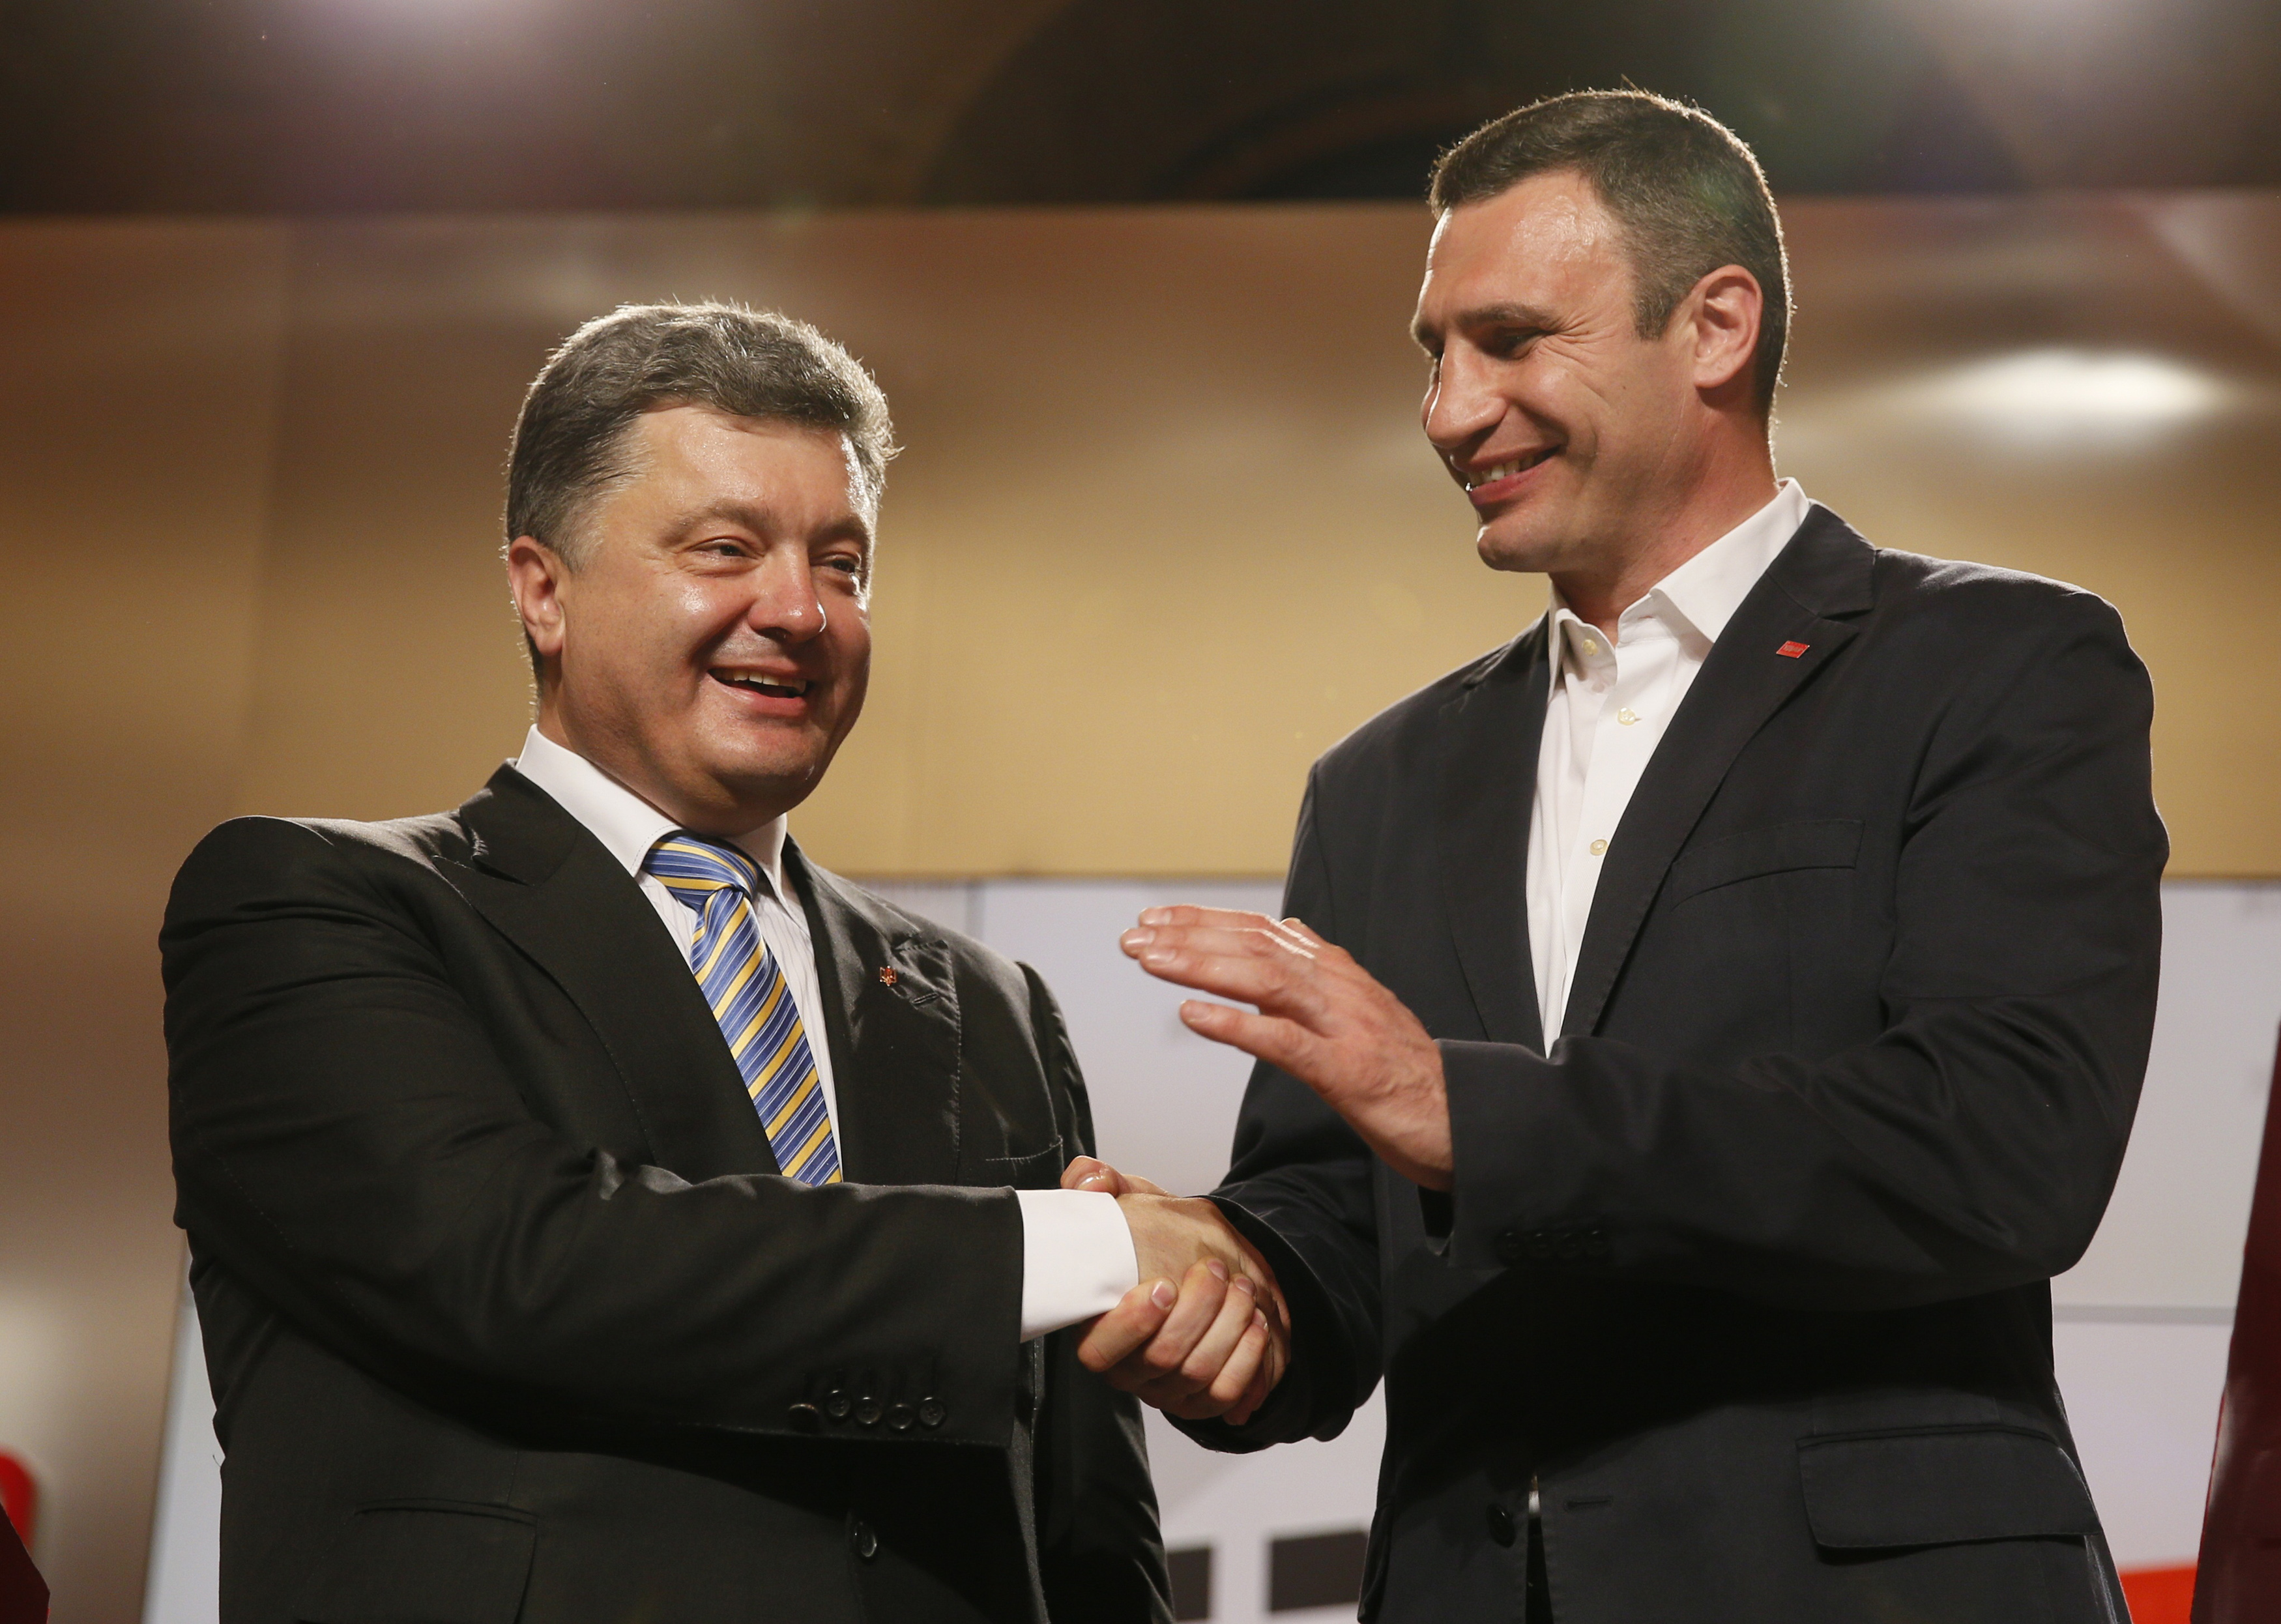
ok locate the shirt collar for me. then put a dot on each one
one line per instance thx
(625, 823)
(1703, 593)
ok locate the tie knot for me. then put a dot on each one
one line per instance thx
(696, 869)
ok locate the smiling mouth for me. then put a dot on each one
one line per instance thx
(756, 682)
(1506, 469)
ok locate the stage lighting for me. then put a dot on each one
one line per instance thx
(2068, 396)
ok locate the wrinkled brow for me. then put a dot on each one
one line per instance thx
(1484, 316)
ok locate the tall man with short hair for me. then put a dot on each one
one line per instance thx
(599, 1211)
(1704, 1024)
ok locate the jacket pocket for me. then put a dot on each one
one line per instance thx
(424, 1562)
(1942, 1486)
(1826, 843)
(1040, 1170)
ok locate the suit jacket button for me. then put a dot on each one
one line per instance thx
(868, 1412)
(1596, 1243)
(807, 1418)
(1511, 1246)
(901, 1416)
(1570, 1248)
(861, 1536)
(837, 1405)
(1539, 1246)
(932, 1414)
(1500, 1524)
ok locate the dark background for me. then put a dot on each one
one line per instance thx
(286, 107)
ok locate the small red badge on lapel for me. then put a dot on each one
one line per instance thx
(886, 975)
(1791, 651)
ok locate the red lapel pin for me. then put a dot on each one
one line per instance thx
(886, 975)
(1791, 651)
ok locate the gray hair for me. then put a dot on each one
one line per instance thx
(1689, 196)
(570, 439)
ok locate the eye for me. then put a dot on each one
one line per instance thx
(724, 546)
(847, 563)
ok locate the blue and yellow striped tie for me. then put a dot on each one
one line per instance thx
(746, 986)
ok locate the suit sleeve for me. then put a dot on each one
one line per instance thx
(1300, 1188)
(1972, 1143)
(348, 1141)
(1100, 1551)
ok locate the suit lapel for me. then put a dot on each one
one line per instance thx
(1489, 736)
(1824, 571)
(551, 888)
(895, 1036)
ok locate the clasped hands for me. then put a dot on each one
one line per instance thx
(1215, 1342)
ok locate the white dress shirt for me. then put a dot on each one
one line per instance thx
(1609, 705)
(1076, 1253)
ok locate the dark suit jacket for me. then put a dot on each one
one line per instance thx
(1748, 1270)
(508, 1316)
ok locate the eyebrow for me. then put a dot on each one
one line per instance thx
(1490, 315)
(760, 519)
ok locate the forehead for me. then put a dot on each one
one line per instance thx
(695, 451)
(1547, 240)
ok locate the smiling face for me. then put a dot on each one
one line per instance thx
(1574, 437)
(711, 650)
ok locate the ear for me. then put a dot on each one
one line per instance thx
(535, 576)
(1719, 321)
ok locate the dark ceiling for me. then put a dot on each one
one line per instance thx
(266, 106)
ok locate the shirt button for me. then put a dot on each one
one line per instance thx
(866, 1541)
(1627, 716)
(1591, 647)
(1599, 849)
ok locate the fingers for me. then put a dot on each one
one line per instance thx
(1263, 1036)
(1204, 1290)
(1128, 1328)
(1206, 1362)
(1087, 1172)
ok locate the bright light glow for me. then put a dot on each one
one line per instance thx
(2067, 397)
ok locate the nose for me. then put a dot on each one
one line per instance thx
(1460, 406)
(786, 606)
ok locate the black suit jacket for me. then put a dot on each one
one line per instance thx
(1747, 1270)
(507, 1315)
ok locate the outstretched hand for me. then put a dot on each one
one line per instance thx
(1205, 1332)
(1321, 1017)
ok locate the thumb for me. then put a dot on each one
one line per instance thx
(1087, 1172)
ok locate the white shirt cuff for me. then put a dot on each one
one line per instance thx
(1076, 1257)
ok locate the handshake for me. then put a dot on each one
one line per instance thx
(1206, 1333)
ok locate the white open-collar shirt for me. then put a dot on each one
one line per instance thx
(1077, 1252)
(1609, 707)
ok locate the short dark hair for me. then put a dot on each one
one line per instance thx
(570, 440)
(1689, 196)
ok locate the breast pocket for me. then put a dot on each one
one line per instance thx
(1778, 848)
(1749, 941)
(1039, 1169)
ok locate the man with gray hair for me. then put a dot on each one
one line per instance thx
(597, 1209)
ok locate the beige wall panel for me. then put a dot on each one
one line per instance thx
(137, 372)
(1156, 540)
(1166, 527)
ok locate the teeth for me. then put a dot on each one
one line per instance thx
(1505, 470)
(765, 684)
